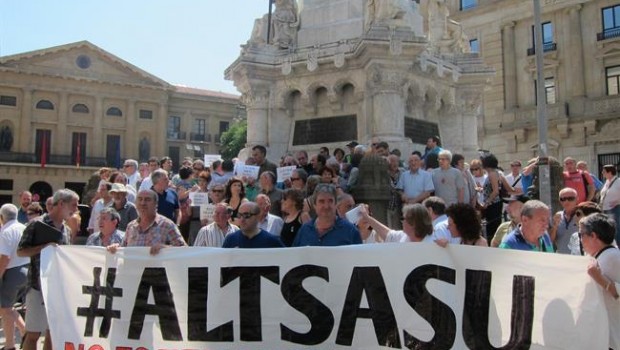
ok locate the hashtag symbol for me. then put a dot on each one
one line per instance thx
(93, 311)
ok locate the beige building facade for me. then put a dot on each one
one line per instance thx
(76, 108)
(581, 41)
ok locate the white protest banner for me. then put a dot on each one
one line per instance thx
(198, 198)
(207, 211)
(285, 172)
(249, 171)
(210, 158)
(375, 296)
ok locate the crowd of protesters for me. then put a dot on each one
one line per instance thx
(435, 197)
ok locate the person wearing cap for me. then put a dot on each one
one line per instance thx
(125, 209)
(531, 234)
(351, 146)
(565, 221)
(108, 232)
(515, 171)
(513, 208)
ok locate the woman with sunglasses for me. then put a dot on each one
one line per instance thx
(564, 221)
(583, 209)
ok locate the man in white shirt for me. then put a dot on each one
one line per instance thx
(130, 168)
(267, 221)
(214, 233)
(436, 208)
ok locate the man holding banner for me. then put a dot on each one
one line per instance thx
(531, 235)
(213, 234)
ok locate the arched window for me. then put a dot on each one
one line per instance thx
(114, 111)
(45, 104)
(80, 108)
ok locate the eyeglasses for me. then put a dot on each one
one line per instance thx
(246, 215)
(295, 178)
(570, 199)
(126, 165)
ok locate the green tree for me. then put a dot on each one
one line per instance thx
(234, 139)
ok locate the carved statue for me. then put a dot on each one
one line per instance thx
(144, 149)
(6, 139)
(438, 20)
(395, 13)
(259, 31)
(285, 23)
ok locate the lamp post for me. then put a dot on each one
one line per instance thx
(544, 174)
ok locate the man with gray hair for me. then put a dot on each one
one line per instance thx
(267, 221)
(167, 198)
(130, 168)
(448, 181)
(531, 234)
(13, 272)
(108, 232)
(328, 229)
(64, 204)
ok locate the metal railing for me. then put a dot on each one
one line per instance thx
(546, 48)
(52, 159)
(608, 34)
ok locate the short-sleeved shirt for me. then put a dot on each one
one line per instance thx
(213, 236)
(167, 204)
(342, 233)
(263, 239)
(272, 224)
(414, 183)
(27, 241)
(447, 184)
(161, 231)
(401, 237)
(95, 239)
(515, 240)
(128, 213)
(578, 181)
(10, 235)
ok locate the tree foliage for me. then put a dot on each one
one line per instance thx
(234, 139)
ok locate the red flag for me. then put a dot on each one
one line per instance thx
(77, 152)
(44, 150)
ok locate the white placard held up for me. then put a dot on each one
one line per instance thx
(198, 198)
(354, 215)
(249, 171)
(210, 158)
(285, 172)
(206, 212)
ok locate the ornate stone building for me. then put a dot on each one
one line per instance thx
(341, 70)
(581, 41)
(76, 108)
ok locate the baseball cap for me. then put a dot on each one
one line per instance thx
(521, 198)
(352, 144)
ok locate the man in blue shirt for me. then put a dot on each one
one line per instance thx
(327, 229)
(531, 235)
(249, 234)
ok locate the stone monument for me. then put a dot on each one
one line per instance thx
(340, 70)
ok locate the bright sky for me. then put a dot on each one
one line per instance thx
(187, 42)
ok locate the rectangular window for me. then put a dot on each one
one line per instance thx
(549, 91)
(6, 185)
(174, 127)
(613, 80)
(611, 18)
(468, 4)
(200, 126)
(224, 127)
(113, 151)
(547, 34)
(146, 114)
(43, 142)
(8, 100)
(78, 148)
(474, 46)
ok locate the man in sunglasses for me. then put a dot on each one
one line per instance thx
(217, 193)
(565, 222)
(250, 235)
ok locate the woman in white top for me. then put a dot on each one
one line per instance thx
(610, 196)
(417, 225)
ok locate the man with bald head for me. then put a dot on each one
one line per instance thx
(250, 235)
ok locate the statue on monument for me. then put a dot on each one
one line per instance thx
(397, 13)
(285, 23)
(259, 31)
(447, 35)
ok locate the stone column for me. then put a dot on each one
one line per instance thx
(388, 104)
(62, 142)
(469, 100)
(257, 108)
(510, 66)
(131, 138)
(574, 59)
(160, 141)
(97, 149)
(25, 133)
